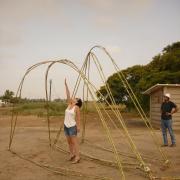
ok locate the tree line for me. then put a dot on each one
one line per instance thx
(9, 98)
(163, 69)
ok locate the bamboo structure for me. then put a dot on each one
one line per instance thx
(90, 90)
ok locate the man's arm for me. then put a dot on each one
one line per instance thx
(174, 109)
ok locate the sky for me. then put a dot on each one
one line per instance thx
(133, 32)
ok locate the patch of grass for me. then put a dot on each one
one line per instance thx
(55, 109)
(5, 110)
(36, 108)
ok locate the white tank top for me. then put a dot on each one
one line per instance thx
(69, 120)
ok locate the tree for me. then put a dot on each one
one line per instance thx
(8, 96)
(164, 68)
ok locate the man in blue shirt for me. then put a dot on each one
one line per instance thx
(167, 109)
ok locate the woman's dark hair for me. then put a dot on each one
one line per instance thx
(79, 102)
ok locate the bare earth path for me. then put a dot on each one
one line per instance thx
(31, 141)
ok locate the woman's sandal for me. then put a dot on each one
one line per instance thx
(76, 161)
(71, 158)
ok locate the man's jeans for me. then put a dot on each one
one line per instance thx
(167, 124)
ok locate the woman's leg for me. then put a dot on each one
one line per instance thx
(70, 143)
(75, 143)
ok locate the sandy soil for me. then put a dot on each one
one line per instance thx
(31, 142)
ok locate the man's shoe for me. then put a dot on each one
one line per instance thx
(173, 145)
(164, 145)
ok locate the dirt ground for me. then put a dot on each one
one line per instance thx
(31, 144)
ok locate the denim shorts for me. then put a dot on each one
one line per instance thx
(72, 131)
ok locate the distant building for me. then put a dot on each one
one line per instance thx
(1, 103)
(156, 98)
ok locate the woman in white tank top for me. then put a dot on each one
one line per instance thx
(72, 125)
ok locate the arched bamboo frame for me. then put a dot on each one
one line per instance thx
(83, 74)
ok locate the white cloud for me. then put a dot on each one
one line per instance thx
(110, 13)
(10, 36)
(114, 6)
(20, 10)
(19, 17)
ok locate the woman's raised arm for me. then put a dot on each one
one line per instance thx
(67, 91)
